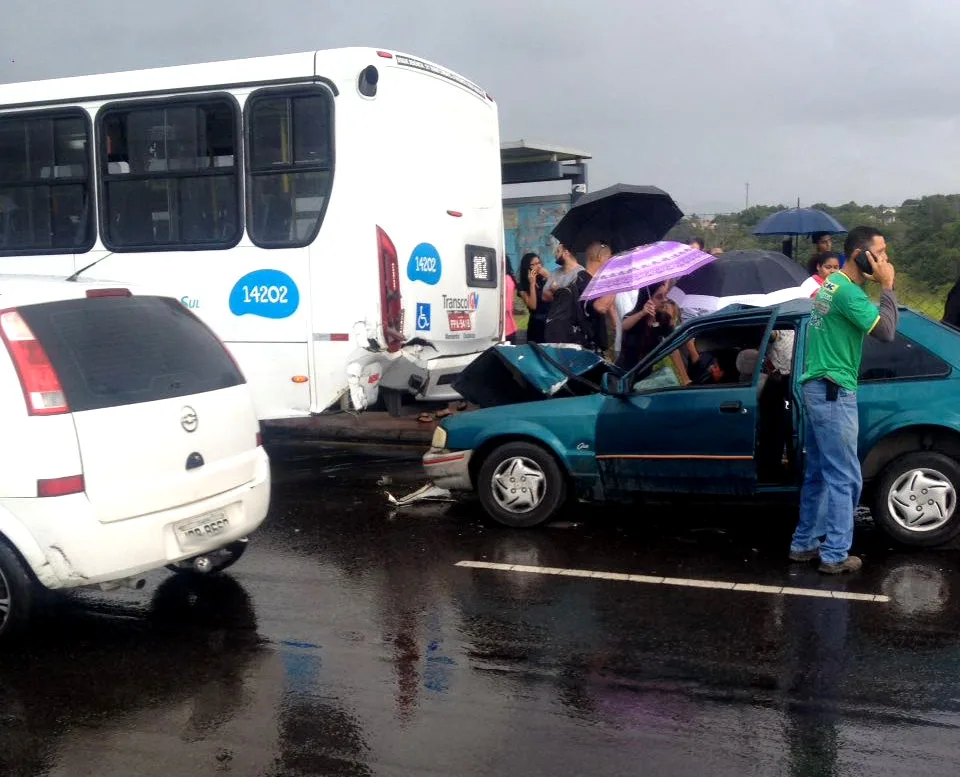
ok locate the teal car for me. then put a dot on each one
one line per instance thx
(557, 424)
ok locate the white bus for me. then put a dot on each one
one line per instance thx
(335, 216)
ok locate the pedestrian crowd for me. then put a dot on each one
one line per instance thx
(625, 328)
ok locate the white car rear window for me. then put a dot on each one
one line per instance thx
(111, 351)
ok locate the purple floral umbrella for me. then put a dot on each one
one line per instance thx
(644, 265)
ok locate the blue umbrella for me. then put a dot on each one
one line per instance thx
(799, 221)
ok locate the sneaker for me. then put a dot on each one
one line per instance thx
(804, 556)
(851, 564)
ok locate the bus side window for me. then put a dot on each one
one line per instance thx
(169, 174)
(289, 134)
(46, 182)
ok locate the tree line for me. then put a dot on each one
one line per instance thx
(924, 234)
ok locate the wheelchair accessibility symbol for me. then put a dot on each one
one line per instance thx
(423, 316)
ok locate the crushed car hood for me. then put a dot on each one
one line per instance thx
(510, 374)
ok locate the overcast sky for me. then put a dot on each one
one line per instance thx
(826, 100)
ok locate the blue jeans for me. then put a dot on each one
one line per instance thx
(832, 480)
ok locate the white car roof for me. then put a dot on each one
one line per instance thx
(18, 290)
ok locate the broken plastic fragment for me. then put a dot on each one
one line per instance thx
(428, 493)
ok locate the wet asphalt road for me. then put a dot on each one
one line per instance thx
(346, 642)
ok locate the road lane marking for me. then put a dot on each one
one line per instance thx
(682, 582)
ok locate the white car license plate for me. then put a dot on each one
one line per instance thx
(197, 532)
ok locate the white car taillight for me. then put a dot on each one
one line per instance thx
(41, 386)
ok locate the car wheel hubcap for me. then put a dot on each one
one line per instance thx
(4, 600)
(519, 485)
(922, 500)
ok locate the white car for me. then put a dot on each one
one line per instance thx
(130, 442)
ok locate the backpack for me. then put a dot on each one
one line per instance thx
(567, 321)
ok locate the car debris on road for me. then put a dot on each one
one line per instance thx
(427, 493)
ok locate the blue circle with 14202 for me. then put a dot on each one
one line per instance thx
(425, 265)
(265, 293)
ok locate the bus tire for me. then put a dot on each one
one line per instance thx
(392, 401)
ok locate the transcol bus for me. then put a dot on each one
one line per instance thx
(335, 216)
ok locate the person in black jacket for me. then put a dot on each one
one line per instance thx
(951, 310)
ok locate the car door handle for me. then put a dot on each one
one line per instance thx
(734, 406)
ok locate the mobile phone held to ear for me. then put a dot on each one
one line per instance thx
(863, 262)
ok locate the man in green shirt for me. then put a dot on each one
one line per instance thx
(842, 316)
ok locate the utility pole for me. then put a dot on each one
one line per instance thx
(746, 197)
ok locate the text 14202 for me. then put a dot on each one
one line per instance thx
(265, 295)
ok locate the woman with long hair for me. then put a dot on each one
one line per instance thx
(530, 284)
(646, 326)
(822, 266)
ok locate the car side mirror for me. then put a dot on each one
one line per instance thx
(614, 385)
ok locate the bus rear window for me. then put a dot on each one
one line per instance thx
(291, 165)
(114, 351)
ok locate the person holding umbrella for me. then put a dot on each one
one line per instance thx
(621, 216)
(822, 242)
(576, 320)
(646, 326)
(793, 222)
(569, 320)
(602, 312)
(617, 279)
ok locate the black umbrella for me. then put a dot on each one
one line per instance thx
(744, 272)
(738, 274)
(623, 216)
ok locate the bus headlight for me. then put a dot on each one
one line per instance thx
(439, 438)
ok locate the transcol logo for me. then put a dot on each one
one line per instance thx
(469, 303)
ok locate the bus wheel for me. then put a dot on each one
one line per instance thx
(392, 401)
